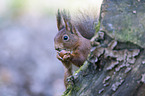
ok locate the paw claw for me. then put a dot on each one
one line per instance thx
(64, 55)
(59, 57)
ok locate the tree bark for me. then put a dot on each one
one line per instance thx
(115, 67)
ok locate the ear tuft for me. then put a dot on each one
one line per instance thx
(67, 19)
(66, 22)
(60, 24)
(75, 31)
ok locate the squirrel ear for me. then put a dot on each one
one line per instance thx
(75, 31)
(67, 19)
(66, 24)
(70, 27)
(60, 23)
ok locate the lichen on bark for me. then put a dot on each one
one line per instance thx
(124, 20)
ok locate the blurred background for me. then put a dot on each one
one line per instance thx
(28, 64)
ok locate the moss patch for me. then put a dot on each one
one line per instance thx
(124, 22)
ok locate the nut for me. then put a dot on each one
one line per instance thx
(62, 53)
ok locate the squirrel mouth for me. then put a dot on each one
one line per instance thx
(58, 49)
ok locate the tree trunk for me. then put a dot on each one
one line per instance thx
(115, 67)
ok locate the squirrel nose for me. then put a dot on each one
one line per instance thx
(58, 47)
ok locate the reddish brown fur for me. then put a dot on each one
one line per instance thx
(76, 43)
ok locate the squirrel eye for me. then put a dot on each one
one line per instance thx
(65, 37)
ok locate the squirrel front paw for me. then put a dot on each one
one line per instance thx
(64, 55)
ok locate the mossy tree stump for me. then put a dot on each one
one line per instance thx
(115, 67)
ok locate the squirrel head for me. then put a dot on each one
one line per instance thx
(67, 38)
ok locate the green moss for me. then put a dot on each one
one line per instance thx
(68, 91)
(74, 88)
(71, 89)
(97, 27)
(80, 69)
(128, 32)
(84, 67)
(125, 25)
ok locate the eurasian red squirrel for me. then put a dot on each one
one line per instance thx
(72, 41)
